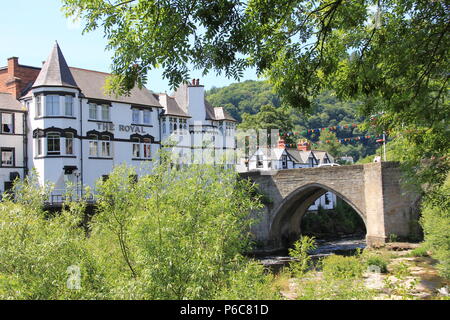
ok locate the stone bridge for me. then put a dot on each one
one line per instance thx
(372, 189)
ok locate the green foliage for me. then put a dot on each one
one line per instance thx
(401, 283)
(37, 249)
(435, 221)
(340, 267)
(419, 252)
(247, 97)
(249, 282)
(333, 289)
(175, 234)
(362, 50)
(300, 252)
(378, 261)
(326, 111)
(323, 223)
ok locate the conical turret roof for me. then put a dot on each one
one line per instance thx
(55, 72)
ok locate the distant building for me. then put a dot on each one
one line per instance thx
(347, 159)
(281, 158)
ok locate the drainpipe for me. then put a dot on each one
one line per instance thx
(25, 143)
(81, 147)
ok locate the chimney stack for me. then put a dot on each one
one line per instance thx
(303, 145)
(13, 64)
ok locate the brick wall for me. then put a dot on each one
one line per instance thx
(15, 77)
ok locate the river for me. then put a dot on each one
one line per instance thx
(342, 246)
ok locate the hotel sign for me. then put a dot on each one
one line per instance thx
(124, 128)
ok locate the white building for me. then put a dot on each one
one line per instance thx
(63, 124)
(281, 158)
(13, 151)
(202, 133)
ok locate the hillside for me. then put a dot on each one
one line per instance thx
(244, 102)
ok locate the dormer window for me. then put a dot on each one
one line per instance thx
(52, 105)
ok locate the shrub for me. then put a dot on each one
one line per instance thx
(419, 252)
(300, 253)
(340, 267)
(377, 261)
(435, 221)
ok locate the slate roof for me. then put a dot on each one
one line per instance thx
(173, 109)
(55, 71)
(8, 102)
(91, 84)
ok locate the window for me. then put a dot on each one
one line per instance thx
(147, 148)
(69, 105)
(38, 106)
(106, 116)
(164, 126)
(52, 105)
(135, 115)
(147, 116)
(106, 146)
(92, 111)
(284, 161)
(171, 128)
(39, 149)
(53, 143)
(69, 143)
(259, 161)
(7, 155)
(7, 123)
(136, 148)
(93, 145)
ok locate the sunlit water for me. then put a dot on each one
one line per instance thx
(344, 246)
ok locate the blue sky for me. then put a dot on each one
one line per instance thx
(29, 29)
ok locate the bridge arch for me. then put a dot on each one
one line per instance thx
(287, 216)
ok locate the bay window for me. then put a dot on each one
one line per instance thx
(52, 105)
(53, 143)
(68, 105)
(38, 106)
(69, 143)
(39, 144)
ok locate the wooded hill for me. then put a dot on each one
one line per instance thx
(255, 105)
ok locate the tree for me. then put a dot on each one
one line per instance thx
(389, 54)
(393, 55)
(329, 143)
(268, 117)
